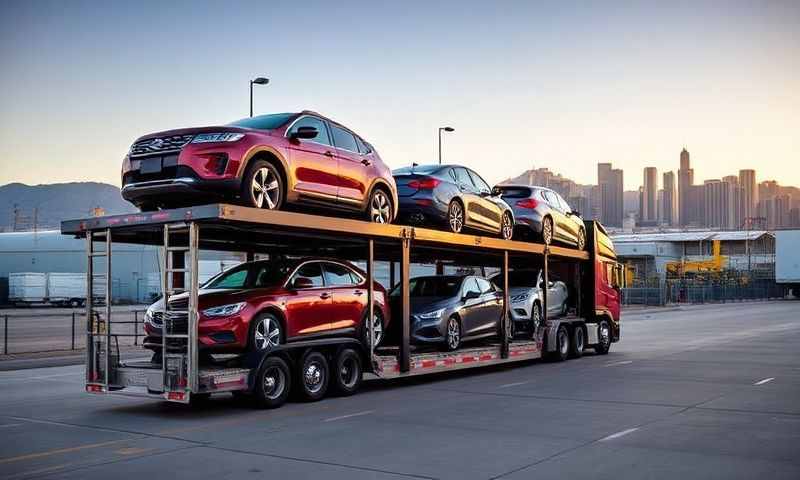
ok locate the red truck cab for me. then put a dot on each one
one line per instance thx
(608, 278)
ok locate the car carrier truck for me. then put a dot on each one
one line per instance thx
(182, 374)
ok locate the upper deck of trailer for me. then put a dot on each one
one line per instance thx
(236, 228)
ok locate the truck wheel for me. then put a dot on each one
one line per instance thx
(313, 376)
(578, 342)
(604, 336)
(347, 375)
(272, 383)
(562, 344)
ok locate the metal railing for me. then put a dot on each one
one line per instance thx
(65, 330)
(672, 292)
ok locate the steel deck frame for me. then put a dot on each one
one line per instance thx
(226, 227)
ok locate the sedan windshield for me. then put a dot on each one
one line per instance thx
(521, 278)
(263, 122)
(441, 286)
(251, 275)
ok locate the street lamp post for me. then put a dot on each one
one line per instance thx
(257, 81)
(446, 129)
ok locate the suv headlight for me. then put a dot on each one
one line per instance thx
(217, 137)
(224, 310)
(431, 315)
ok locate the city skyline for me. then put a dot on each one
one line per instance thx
(566, 85)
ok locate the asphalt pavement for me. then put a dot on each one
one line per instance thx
(702, 392)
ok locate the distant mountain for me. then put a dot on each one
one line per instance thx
(51, 204)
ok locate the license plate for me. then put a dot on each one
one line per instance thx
(151, 166)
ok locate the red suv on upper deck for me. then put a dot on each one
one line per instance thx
(267, 161)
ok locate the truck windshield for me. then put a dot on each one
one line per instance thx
(263, 122)
(442, 286)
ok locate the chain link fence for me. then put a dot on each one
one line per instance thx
(701, 291)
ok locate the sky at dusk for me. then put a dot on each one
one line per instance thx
(559, 84)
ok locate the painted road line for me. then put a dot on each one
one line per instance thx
(59, 451)
(507, 385)
(766, 380)
(623, 362)
(8, 425)
(618, 434)
(333, 419)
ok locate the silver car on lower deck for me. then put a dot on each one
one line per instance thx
(525, 293)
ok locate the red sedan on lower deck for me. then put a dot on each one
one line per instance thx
(258, 305)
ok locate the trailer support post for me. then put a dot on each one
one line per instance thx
(370, 297)
(192, 339)
(5, 335)
(72, 338)
(405, 341)
(90, 366)
(108, 306)
(546, 286)
(505, 327)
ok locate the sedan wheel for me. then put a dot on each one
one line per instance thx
(377, 329)
(547, 230)
(581, 239)
(267, 333)
(265, 188)
(507, 227)
(380, 207)
(455, 216)
(453, 336)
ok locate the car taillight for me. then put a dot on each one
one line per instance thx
(425, 184)
(528, 203)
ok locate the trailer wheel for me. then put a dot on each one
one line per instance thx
(562, 344)
(578, 342)
(347, 375)
(272, 383)
(604, 336)
(313, 375)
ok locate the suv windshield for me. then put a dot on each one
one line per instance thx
(250, 275)
(263, 122)
(440, 286)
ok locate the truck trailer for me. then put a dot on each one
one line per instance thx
(787, 259)
(181, 374)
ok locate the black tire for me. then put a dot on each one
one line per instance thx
(578, 342)
(199, 399)
(547, 225)
(348, 373)
(455, 211)
(511, 328)
(378, 324)
(379, 208)
(273, 383)
(536, 318)
(270, 184)
(561, 352)
(603, 338)
(256, 341)
(313, 376)
(452, 334)
(157, 357)
(507, 226)
(581, 239)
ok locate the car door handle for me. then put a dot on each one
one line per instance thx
(328, 153)
(358, 293)
(366, 162)
(325, 296)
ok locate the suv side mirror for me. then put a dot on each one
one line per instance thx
(302, 282)
(576, 213)
(485, 193)
(471, 294)
(305, 132)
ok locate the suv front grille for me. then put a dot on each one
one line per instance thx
(160, 144)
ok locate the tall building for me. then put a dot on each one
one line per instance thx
(669, 205)
(648, 211)
(610, 186)
(736, 201)
(747, 181)
(717, 204)
(685, 184)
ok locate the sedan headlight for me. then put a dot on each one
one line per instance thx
(224, 310)
(217, 137)
(431, 315)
